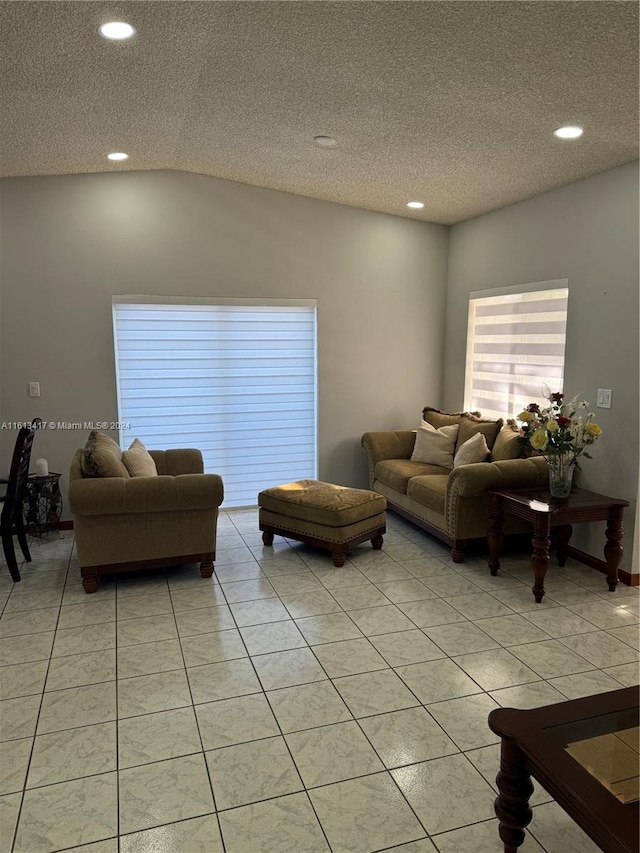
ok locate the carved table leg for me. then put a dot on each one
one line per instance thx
(613, 548)
(540, 555)
(563, 534)
(206, 565)
(495, 533)
(267, 537)
(512, 804)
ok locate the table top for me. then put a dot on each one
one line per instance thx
(541, 500)
(585, 752)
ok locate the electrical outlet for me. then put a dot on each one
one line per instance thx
(603, 400)
(34, 389)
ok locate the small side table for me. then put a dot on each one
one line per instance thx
(545, 512)
(42, 505)
(569, 748)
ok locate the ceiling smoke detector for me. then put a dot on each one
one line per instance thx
(324, 141)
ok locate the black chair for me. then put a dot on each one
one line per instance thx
(11, 501)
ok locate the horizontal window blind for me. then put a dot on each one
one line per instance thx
(237, 381)
(515, 349)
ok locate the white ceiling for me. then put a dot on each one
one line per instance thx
(451, 103)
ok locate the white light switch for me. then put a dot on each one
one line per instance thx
(34, 389)
(604, 398)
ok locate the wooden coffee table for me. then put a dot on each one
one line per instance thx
(545, 512)
(585, 754)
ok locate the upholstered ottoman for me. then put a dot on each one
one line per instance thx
(324, 515)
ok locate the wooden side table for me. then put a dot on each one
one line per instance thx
(546, 512)
(585, 754)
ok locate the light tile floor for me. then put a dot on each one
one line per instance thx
(286, 705)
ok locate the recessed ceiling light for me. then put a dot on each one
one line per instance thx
(324, 141)
(568, 132)
(415, 204)
(117, 30)
(117, 155)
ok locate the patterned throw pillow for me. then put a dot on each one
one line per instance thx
(102, 457)
(438, 419)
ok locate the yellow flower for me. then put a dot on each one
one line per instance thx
(552, 426)
(525, 416)
(593, 429)
(539, 440)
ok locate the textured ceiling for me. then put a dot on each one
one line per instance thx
(451, 103)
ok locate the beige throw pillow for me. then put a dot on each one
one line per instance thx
(138, 461)
(435, 446)
(102, 457)
(474, 449)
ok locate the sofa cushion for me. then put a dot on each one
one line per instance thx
(470, 424)
(138, 461)
(507, 445)
(435, 446)
(429, 490)
(102, 457)
(396, 473)
(439, 419)
(473, 450)
(315, 502)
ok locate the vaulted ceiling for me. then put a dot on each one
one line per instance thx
(449, 103)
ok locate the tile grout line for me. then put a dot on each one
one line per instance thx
(368, 638)
(197, 721)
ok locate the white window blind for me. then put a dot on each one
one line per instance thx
(237, 381)
(515, 347)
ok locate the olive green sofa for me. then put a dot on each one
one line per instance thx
(127, 523)
(451, 504)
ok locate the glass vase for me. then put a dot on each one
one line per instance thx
(560, 475)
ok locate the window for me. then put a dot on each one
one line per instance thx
(515, 346)
(235, 378)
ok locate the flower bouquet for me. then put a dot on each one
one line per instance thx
(561, 432)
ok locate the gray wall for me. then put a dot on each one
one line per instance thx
(586, 232)
(69, 243)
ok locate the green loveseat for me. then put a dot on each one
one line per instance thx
(127, 523)
(451, 504)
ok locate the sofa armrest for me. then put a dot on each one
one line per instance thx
(473, 480)
(184, 460)
(115, 495)
(387, 444)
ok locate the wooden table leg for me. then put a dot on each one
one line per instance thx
(563, 534)
(540, 555)
(512, 804)
(613, 548)
(495, 533)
